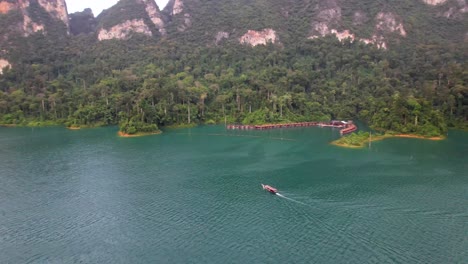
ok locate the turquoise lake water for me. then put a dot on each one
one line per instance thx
(194, 196)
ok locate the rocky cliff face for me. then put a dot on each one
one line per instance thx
(434, 2)
(224, 20)
(250, 22)
(6, 7)
(31, 23)
(450, 9)
(454, 10)
(124, 30)
(127, 16)
(3, 63)
(29, 26)
(176, 11)
(155, 15)
(329, 17)
(388, 22)
(220, 36)
(178, 7)
(254, 38)
(25, 25)
(56, 8)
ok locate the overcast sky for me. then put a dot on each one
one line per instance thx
(98, 5)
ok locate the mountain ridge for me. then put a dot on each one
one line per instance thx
(294, 19)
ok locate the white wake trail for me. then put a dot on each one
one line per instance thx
(290, 199)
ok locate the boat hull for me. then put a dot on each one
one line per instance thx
(269, 189)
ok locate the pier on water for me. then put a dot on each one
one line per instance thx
(345, 127)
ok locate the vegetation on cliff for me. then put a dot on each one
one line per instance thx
(125, 10)
(83, 22)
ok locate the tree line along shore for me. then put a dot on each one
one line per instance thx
(141, 85)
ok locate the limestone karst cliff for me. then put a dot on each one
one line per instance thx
(124, 30)
(31, 17)
(82, 22)
(23, 18)
(434, 2)
(3, 64)
(249, 22)
(153, 12)
(371, 22)
(254, 38)
(131, 16)
(56, 8)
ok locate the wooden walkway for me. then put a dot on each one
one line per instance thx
(346, 128)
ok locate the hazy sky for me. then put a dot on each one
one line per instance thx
(98, 5)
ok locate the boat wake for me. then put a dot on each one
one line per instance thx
(290, 199)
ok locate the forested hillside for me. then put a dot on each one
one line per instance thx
(418, 84)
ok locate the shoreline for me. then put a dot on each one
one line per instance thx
(124, 135)
(382, 137)
(29, 125)
(345, 146)
(179, 126)
(419, 137)
(73, 128)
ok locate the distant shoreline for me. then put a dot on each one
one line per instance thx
(125, 135)
(418, 136)
(382, 137)
(335, 142)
